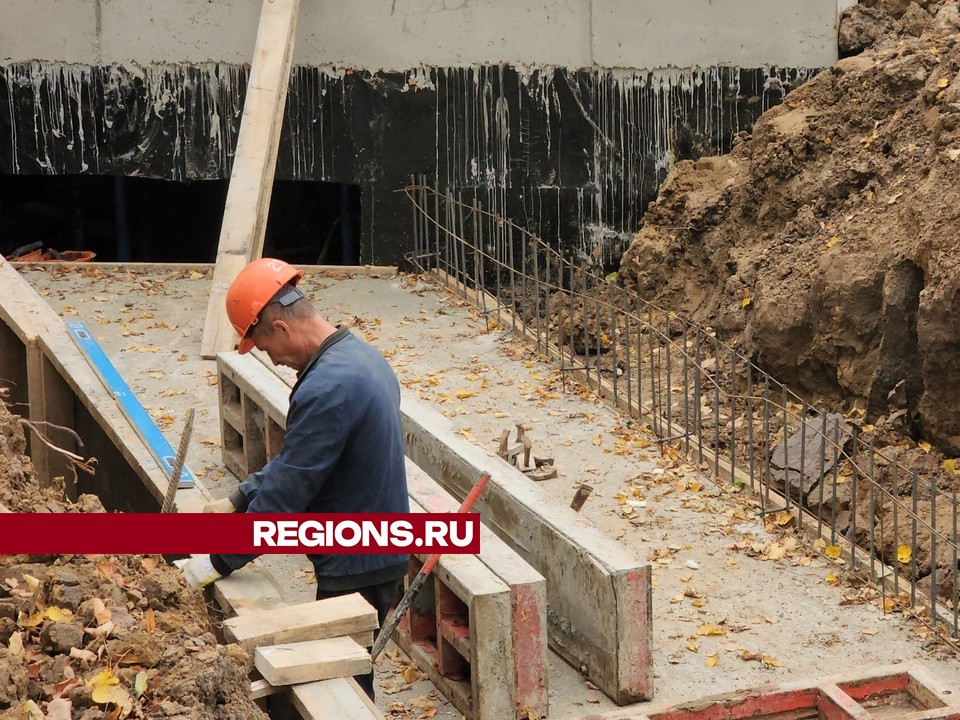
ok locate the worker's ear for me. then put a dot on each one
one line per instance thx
(281, 326)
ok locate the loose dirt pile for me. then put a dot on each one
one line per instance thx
(96, 637)
(824, 246)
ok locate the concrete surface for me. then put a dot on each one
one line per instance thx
(719, 597)
(403, 34)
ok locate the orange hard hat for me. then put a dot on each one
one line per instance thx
(252, 290)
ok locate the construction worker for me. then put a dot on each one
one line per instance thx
(343, 448)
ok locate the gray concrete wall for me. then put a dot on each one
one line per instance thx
(401, 34)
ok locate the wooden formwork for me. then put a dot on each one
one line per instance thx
(52, 382)
(895, 692)
(456, 630)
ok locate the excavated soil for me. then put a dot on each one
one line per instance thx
(824, 245)
(107, 636)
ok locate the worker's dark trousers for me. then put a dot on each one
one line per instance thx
(381, 597)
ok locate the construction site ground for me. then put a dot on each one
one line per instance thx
(737, 605)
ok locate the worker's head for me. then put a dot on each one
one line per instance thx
(261, 286)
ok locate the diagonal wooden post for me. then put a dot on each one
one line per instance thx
(254, 165)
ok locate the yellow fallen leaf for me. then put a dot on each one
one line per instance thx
(925, 446)
(103, 678)
(832, 241)
(769, 661)
(29, 621)
(712, 660)
(464, 394)
(776, 551)
(943, 82)
(598, 439)
(832, 579)
(784, 517)
(410, 674)
(115, 694)
(58, 614)
(832, 551)
(904, 554)
(951, 466)
(32, 582)
(709, 630)
(693, 645)
(746, 301)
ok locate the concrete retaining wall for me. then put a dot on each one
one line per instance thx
(376, 34)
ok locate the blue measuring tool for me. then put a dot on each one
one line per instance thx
(142, 422)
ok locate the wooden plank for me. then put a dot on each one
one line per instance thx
(316, 620)
(300, 662)
(138, 417)
(254, 164)
(25, 317)
(339, 699)
(261, 689)
(247, 589)
(51, 401)
(21, 307)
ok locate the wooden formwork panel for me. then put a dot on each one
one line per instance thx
(901, 692)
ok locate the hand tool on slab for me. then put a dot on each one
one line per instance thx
(542, 468)
(174, 482)
(391, 624)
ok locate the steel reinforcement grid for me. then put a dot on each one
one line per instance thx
(814, 471)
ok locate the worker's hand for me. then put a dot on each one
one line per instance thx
(199, 571)
(220, 506)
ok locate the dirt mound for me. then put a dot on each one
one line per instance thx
(96, 637)
(824, 245)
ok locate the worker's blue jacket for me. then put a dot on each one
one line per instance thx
(342, 452)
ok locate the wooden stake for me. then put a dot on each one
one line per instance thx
(254, 165)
